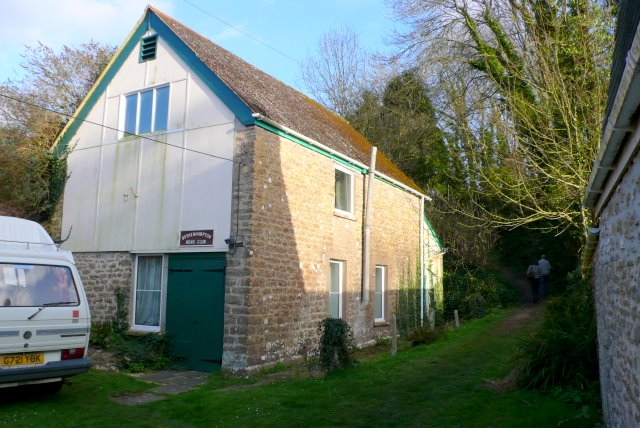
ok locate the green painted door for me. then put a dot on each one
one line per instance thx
(195, 309)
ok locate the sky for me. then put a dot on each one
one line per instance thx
(292, 27)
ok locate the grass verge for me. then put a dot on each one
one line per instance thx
(443, 384)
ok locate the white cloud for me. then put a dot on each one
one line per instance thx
(65, 22)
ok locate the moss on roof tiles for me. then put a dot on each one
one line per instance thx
(279, 102)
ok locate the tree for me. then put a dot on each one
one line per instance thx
(523, 91)
(32, 177)
(402, 123)
(336, 73)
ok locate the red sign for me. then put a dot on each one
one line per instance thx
(192, 238)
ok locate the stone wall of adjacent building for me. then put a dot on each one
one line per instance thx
(234, 356)
(293, 234)
(616, 281)
(103, 276)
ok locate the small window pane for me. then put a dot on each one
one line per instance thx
(379, 302)
(148, 291)
(131, 109)
(335, 290)
(162, 108)
(343, 191)
(146, 103)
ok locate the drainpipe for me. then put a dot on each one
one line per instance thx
(593, 236)
(422, 262)
(366, 238)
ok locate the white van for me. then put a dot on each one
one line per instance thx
(44, 315)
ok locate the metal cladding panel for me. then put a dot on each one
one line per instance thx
(111, 119)
(207, 182)
(80, 199)
(130, 76)
(205, 109)
(116, 198)
(158, 195)
(166, 67)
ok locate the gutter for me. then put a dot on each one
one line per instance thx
(616, 127)
(262, 118)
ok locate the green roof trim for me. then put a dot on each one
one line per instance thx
(433, 232)
(300, 141)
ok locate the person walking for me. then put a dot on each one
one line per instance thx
(545, 271)
(533, 276)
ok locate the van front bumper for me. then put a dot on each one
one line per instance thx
(53, 369)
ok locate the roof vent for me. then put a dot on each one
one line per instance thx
(148, 48)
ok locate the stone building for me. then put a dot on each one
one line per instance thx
(231, 212)
(613, 244)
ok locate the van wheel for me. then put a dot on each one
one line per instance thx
(50, 388)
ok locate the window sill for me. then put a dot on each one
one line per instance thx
(344, 214)
(380, 324)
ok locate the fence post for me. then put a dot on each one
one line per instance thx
(432, 318)
(455, 316)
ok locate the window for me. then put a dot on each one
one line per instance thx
(148, 293)
(148, 48)
(381, 272)
(335, 289)
(37, 285)
(146, 111)
(344, 191)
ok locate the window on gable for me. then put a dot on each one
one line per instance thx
(335, 288)
(147, 111)
(148, 293)
(344, 191)
(380, 289)
(148, 47)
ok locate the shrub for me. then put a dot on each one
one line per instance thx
(473, 292)
(563, 350)
(336, 343)
(100, 333)
(422, 335)
(139, 353)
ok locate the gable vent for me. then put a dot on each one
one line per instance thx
(148, 48)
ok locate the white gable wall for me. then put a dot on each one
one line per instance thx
(147, 192)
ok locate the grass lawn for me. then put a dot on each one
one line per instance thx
(436, 385)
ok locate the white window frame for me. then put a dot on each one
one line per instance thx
(123, 110)
(163, 293)
(381, 272)
(350, 174)
(340, 265)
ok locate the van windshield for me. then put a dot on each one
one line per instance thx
(36, 285)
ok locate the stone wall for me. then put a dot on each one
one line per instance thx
(102, 274)
(234, 357)
(293, 234)
(616, 281)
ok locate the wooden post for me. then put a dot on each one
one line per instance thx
(455, 316)
(432, 318)
(394, 336)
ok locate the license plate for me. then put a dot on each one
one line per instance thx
(22, 359)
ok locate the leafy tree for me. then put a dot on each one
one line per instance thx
(523, 92)
(402, 123)
(32, 177)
